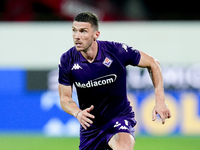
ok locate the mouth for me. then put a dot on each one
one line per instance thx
(78, 44)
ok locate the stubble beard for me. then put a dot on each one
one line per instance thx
(84, 49)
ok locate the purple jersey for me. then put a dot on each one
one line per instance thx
(101, 83)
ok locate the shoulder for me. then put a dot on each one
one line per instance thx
(108, 44)
(68, 56)
(111, 46)
(65, 65)
(114, 47)
(123, 52)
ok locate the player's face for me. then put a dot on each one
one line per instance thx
(83, 35)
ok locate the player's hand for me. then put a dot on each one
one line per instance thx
(84, 117)
(162, 110)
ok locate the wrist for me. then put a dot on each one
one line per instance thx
(77, 113)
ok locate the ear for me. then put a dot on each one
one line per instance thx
(96, 35)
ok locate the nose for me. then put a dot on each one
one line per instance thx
(77, 35)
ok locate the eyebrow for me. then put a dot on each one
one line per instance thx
(84, 28)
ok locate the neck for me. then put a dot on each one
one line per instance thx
(90, 54)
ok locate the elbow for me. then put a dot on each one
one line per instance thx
(155, 64)
(62, 103)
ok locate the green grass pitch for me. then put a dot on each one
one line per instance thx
(63, 143)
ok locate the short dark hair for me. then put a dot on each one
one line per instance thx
(88, 17)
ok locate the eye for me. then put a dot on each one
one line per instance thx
(73, 30)
(83, 31)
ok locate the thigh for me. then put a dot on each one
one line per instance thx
(122, 140)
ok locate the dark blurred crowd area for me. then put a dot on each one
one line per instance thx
(107, 10)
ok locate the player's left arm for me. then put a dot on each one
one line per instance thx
(153, 66)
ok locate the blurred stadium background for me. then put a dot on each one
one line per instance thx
(34, 34)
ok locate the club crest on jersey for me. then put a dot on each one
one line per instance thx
(107, 62)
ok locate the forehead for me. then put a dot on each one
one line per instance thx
(81, 25)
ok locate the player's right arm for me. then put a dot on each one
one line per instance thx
(70, 106)
(66, 101)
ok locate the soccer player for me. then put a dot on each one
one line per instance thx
(98, 71)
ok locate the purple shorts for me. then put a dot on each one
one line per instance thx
(99, 140)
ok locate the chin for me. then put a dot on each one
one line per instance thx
(79, 49)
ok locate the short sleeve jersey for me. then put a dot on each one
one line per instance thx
(101, 83)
